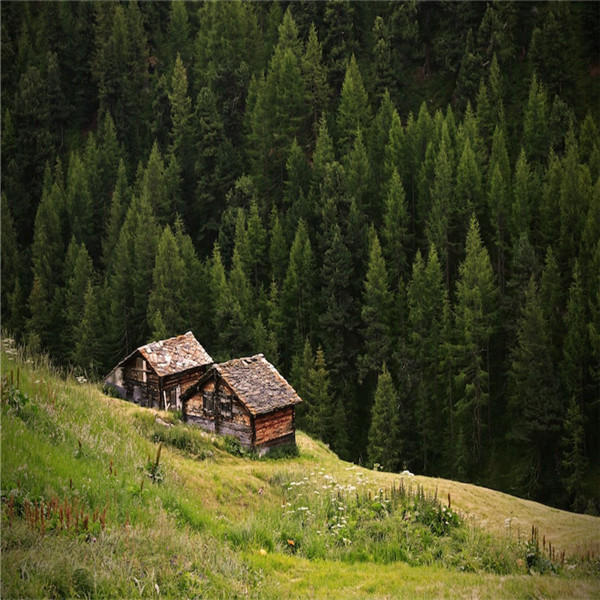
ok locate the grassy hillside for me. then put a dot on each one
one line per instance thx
(86, 512)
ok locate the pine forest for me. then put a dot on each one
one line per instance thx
(398, 203)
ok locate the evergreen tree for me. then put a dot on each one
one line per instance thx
(339, 41)
(321, 401)
(522, 191)
(468, 189)
(469, 73)
(475, 324)
(353, 112)
(534, 397)
(359, 179)
(394, 235)
(278, 248)
(168, 282)
(575, 195)
(574, 462)
(385, 448)
(382, 70)
(118, 208)
(297, 294)
(88, 334)
(375, 313)
(315, 83)
(574, 362)
(302, 363)
(214, 169)
(10, 259)
(337, 326)
(535, 123)
(425, 315)
(79, 273)
(79, 202)
(440, 217)
(280, 110)
(181, 138)
(47, 256)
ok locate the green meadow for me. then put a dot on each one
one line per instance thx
(102, 500)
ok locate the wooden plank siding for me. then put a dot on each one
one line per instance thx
(273, 425)
(228, 415)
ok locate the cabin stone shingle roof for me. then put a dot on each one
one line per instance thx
(173, 355)
(257, 383)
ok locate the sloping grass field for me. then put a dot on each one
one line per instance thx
(101, 499)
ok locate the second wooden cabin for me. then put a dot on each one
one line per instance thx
(246, 398)
(157, 374)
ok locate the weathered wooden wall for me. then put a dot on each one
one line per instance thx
(236, 422)
(274, 425)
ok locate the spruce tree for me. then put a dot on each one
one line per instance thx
(88, 334)
(302, 363)
(574, 461)
(47, 256)
(79, 273)
(475, 325)
(315, 83)
(375, 313)
(337, 325)
(385, 447)
(425, 295)
(297, 294)
(353, 112)
(575, 346)
(118, 209)
(395, 237)
(181, 138)
(168, 280)
(321, 401)
(278, 249)
(534, 402)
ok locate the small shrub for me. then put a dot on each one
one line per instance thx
(283, 451)
(233, 446)
(110, 390)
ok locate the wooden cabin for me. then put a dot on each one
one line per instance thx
(246, 398)
(157, 374)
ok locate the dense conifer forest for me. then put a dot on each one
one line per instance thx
(397, 203)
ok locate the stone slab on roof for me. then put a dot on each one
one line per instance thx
(258, 384)
(174, 355)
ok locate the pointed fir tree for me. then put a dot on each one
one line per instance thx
(168, 279)
(322, 414)
(475, 324)
(302, 363)
(574, 461)
(278, 249)
(315, 83)
(534, 402)
(297, 294)
(395, 237)
(385, 447)
(425, 299)
(375, 312)
(78, 274)
(337, 326)
(88, 334)
(181, 138)
(353, 112)
(573, 367)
